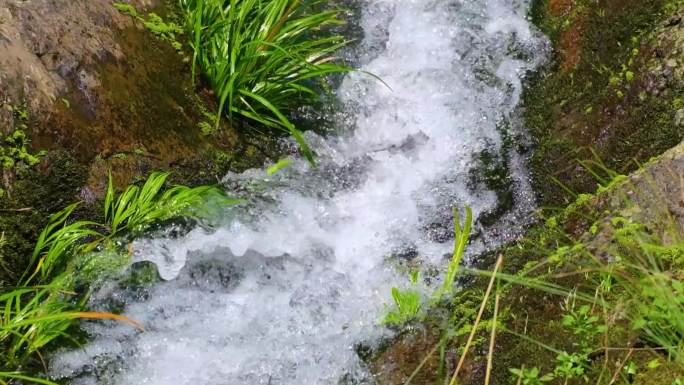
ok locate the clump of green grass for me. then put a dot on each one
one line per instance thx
(44, 305)
(409, 302)
(461, 235)
(621, 288)
(264, 58)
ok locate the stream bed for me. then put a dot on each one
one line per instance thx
(284, 290)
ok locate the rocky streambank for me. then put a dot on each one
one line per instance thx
(85, 89)
(605, 116)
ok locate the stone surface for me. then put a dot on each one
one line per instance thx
(96, 83)
(99, 92)
(610, 94)
(653, 195)
(47, 47)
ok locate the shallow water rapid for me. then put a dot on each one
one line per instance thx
(284, 290)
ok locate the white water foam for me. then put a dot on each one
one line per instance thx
(285, 290)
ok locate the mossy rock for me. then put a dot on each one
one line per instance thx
(607, 96)
(36, 194)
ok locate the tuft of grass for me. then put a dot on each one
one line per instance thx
(264, 58)
(44, 305)
(408, 302)
(132, 212)
(138, 207)
(461, 235)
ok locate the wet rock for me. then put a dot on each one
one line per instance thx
(97, 92)
(654, 195)
(43, 44)
(96, 83)
(679, 117)
(613, 100)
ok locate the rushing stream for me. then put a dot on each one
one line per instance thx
(286, 288)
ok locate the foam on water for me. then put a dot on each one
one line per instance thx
(284, 291)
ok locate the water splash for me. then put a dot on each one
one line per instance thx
(284, 291)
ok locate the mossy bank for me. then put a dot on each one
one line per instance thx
(608, 102)
(611, 92)
(91, 89)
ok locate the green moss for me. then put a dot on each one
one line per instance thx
(167, 31)
(591, 96)
(493, 172)
(37, 192)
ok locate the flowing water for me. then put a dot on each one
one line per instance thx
(289, 285)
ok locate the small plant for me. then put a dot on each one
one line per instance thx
(407, 303)
(461, 235)
(44, 305)
(530, 376)
(582, 323)
(630, 369)
(571, 365)
(166, 31)
(13, 152)
(263, 59)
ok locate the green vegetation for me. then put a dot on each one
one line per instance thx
(407, 305)
(281, 164)
(166, 31)
(591, 295)
(37, 192)
(14, 149)
(264, 59)
(531, 376)
(629, 291)
(605, 92)
(408, 302)
(461, 235)
(49, 297)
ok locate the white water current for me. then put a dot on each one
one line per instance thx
(286, 288)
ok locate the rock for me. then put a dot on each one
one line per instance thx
(679, 117)
(97, 92)
(96, 83)
(44, 45)
(653, 195)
